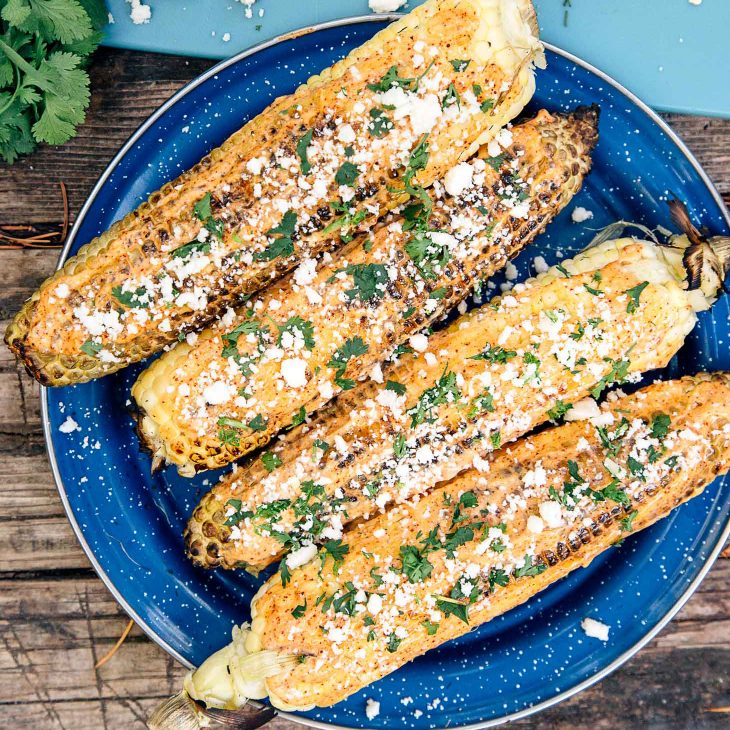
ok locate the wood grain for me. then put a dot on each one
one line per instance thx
(56, 617)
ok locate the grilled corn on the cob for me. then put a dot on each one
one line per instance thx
(430, 570)
(317, 331)
(613, 312)
(292, 182)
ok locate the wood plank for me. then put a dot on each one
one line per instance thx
(42, 543)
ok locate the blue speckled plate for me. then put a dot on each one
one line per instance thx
(130, 523)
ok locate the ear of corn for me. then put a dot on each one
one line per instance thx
(262, 202)
(431, 570)
(606, 316)
(316, 332)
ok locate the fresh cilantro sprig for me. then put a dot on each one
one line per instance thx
(44, 87)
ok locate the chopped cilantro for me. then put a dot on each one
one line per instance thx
(431, 628)
(393, 643)
(426, 254)
(399, 446)
(496, 439)
(188, 249)
(482, 403)
(530, 569)
(451, 97)
(558, 410)
(131, 299)
(497, 577)
(296, 325)
(494, 355)
(396, 387)
(302, 146)
(455, 608)
(496, 162)
(285, 573)
(627, 523)
(298, 418)
(636, 468)
(337, 551)
(634, 294)
(270, 461)
(444, 391)
(380, 123)
(258, 423)
(299, 610)
(282, 246)
(369, 281)
(660, 425)
(460, 65)
(353, 347)
(617, 374)
(347, 174)
(238, 515)
(414, 565)
(91, 348)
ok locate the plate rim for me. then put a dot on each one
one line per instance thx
(48, 434)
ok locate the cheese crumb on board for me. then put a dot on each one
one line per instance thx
(385, 6)
(139, 12)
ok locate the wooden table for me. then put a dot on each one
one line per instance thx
(57, 618)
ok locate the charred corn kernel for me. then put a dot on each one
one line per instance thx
(428, 571)
(294, 181)
(328, 324)
(604, 317)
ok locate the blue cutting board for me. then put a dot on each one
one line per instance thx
(673, 55)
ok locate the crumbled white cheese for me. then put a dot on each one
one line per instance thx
(582, 410)
(540, 265)
(62, 290)
(294, 372)
(346, 134)
(419, 342)
(375, 604)
(139, 13)
(459, 178)
(306, 272)
(581, 214)
(301, 556)
(218, 392)
(377, 373)
(535, 524)
(226, 37)
(595, 629)
(510, 271)
(69, 425)
(385, 6)
(550, 512)
(372, 707)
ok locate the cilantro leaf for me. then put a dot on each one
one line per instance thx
(90, 348)
(302, 146)
(136, 299)
(347, 174)
(660, 425)
(353, 347)
(297, 325)
(460, 65)
(369, 281)
(282, 246)
(634, 294)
